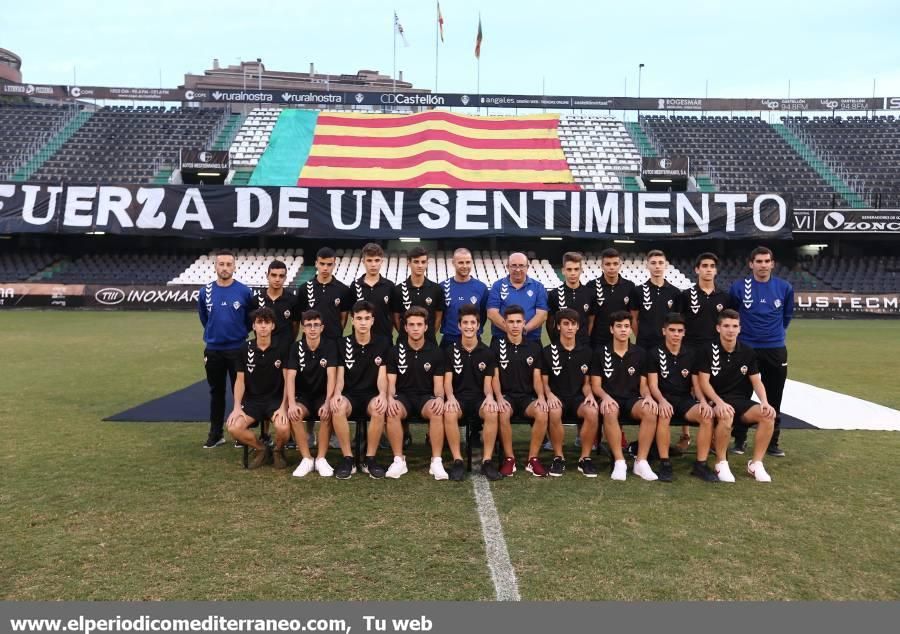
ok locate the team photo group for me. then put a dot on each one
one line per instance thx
(648, 355)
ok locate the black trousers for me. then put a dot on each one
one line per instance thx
(773, 370)
(220, 365)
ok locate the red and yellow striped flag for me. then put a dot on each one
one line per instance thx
(436, 149)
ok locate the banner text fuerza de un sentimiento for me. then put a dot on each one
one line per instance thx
(171, 210)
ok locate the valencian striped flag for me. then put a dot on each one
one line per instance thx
(436, 149)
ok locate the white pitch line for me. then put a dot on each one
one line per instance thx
(506, 587)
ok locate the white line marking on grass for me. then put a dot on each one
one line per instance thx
(502, 573)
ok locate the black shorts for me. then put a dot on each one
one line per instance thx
(312, 406)
(741, 406)
(625, 407)
(682, 405)
(359, 405)
(260, 410)
(413, 403)
(519, 403)
(470, 406)
(570, 408)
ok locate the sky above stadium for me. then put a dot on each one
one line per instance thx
(742, 49)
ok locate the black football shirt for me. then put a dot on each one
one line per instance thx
(673, 371)
(469, 367)
(416, 369)
(701, 314)
(620, 376)
(653, 303)
(565, 370)
(380, 297)
(330, 300)
(429, 296)
(729, 372)
(578, 299)
(608, 299)
(286, 313)
(361, 364)
(263, 373)
(517, 364)
(312, 367)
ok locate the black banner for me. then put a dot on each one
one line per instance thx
(448, 100)
(204, 159)
(676, 167)
(838, 304)
(172, 210)
(853, 221)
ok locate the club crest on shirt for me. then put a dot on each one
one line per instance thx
(530, 293)
(482, 366)
(685, 372)
(777, 303)
(743, 369)
(323, 362)
(386, 299)
(669, 303)
(236, 304)
(586, 308)
(584, 368)
(428, 301)
(287, 314)
(472, 300)
(625, 300)
(719, 308)
(337, 301)
(277, 363)
(378, 361)
(427, 367)
(529, 361)
(631, 371)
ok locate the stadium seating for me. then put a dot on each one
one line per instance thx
(25, 129)
(119, 268)
(867, 148)
(251, 266)
(19, 266)
(253, 137)
(598, 150)
(634, 269)
(861, 274)
(743, 154)
(130, 144)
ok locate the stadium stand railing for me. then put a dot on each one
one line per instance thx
(25, 130)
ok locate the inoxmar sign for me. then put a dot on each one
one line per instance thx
(387, 213)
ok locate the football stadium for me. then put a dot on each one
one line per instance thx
(171, 258)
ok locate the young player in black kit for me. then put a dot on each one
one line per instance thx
(617, 380)
(574, 295)
(360, 390)
(700, 305)
(518, 389)
(415, 376)
(309, 386)
(259, 393)
(328, 295)
(567, 389)
(674, 386)
(611, 294)
(469, 367)
(418, 290)
(650, 302)
(376, 289)
(728, 375)
(284, 307)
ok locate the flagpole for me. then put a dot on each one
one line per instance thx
(394, 73)
(437, 20)
(478, 68)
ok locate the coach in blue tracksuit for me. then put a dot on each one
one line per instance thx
(518, 289)
(224, 307)
(766, 305)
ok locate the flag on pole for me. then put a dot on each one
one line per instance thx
(399, 28)
(440, 19)
(478, 40)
